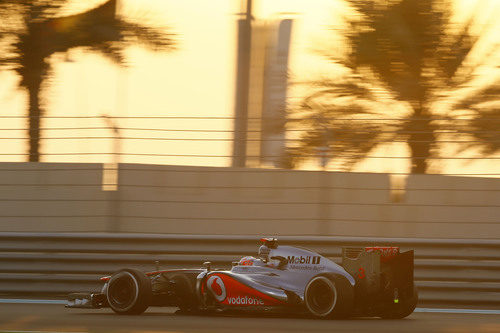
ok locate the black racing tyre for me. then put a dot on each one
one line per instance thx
(402, 309)
(185, 290)
(129, 292)
(329, 296)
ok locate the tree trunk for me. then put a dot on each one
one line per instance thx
(35, 113)
(421, 140)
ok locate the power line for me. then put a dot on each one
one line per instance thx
(244, 187)
(231, 139)
(453, 130)
(408, 119)
(259, 219)
(257, 156)
(203, 169)
(260, 203)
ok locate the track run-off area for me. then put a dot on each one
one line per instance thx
(51, 316)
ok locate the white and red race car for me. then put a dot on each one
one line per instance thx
(371, 281)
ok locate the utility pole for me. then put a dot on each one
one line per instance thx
(242, 87)
(325, 200)
(114, 225)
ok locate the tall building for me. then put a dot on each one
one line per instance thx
(263, 139)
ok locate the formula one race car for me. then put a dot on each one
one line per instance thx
(371, 281)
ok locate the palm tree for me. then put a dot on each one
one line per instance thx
(399, 51)
(31, 31)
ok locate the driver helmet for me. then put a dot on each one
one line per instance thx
(264, 253)
(247, 261)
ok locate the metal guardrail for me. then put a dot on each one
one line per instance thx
(447, 271)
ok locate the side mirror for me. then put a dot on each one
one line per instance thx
(207, 265)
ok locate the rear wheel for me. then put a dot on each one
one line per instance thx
(329, 296)
(129, 292)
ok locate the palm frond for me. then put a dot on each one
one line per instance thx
(150, 37)
(454, 51)
(488, 93)
(112, 51)
(42, 9)
(483, 108)
(486, 129)
(345, 142)
(411, 51)
(329, 120)
(39, 33)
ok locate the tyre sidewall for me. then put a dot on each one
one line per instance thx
(343, 298)
(141, 293)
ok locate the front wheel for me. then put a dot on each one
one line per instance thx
(129, 292)
(329, 296)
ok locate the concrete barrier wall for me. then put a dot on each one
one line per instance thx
(52, 197)
(205, 200)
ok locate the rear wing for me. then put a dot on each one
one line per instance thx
(380, 270)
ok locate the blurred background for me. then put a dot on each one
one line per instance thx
(340, 118)
(374, 87)
(288, 106)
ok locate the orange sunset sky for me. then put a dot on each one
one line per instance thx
(197, 79)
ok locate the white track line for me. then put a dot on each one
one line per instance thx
(422, 310)
(13, 331)
(464, 311)
(31, 301)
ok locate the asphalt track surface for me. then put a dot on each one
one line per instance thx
(56, 318)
